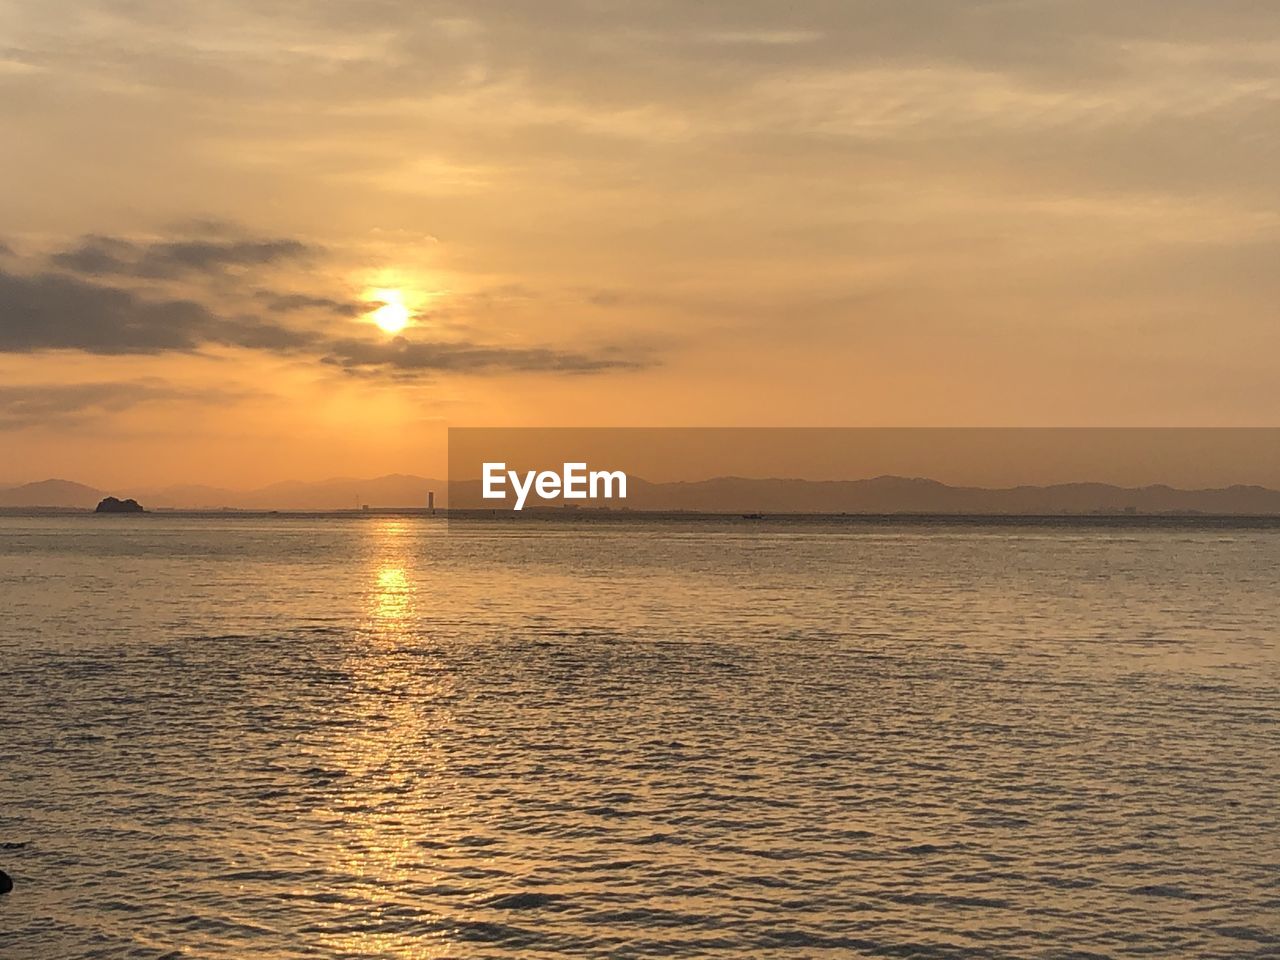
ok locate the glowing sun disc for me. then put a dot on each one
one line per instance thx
(393, 316)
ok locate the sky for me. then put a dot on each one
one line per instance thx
(729, 213)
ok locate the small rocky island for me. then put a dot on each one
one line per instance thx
(112, 505)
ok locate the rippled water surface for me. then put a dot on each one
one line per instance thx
(373, 737)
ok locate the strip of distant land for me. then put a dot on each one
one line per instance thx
(731, 495)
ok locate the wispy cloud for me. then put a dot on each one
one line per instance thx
(923, 208)
(403, 355)
(45, 404)
(107, 256)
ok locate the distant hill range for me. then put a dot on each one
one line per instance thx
(881, 495)
(51, 493)
(342, 493)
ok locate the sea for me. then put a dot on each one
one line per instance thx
(382, 736)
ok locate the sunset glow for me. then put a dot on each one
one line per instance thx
(757, 216)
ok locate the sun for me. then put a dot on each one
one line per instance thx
(393, 316)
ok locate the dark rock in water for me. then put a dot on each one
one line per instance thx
(6, 882)
(112, 505)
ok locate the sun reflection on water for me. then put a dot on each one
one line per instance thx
(394, 599)
(389, 802)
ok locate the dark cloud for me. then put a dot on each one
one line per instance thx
(58, 311)
(404, 356)
(111, 256)
(292, 302)
(48, 311)
(40, 404)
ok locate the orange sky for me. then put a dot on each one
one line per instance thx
(724, 213)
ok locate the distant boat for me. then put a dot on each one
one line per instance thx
(753, 516)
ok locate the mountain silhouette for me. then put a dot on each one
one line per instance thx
(51, 493)
(878, 495)
(905, 495)
(886, 495)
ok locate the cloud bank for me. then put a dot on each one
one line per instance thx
(111, 296)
